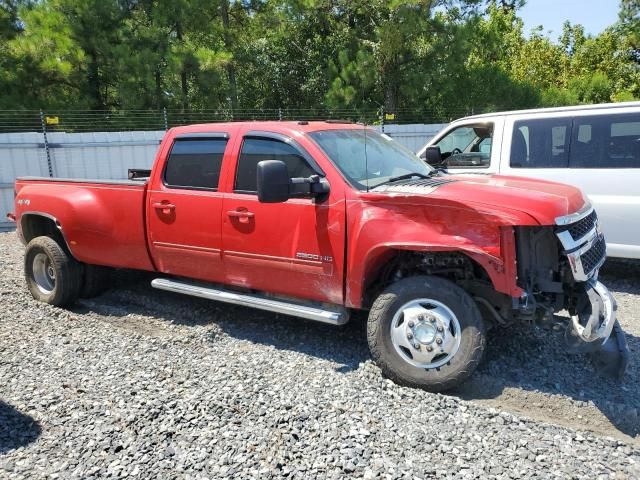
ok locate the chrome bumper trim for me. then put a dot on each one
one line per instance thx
(590, 332)
(574, 217)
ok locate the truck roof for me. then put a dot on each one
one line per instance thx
(302, 126)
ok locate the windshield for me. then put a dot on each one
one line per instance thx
(366, 158)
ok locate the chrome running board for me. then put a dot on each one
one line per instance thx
(339, 316)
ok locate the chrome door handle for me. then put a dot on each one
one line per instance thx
(166, 208)
(240, 214)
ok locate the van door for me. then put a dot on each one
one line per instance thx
(468, 147)
(596, 152)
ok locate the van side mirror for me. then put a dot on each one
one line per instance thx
(275, 186)
(273, 181)
(433, 156)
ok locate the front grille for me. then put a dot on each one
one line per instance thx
(592, 257)
(583, 226)
(583, 245)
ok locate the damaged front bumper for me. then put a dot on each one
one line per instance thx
(594, 329)
(595, 314)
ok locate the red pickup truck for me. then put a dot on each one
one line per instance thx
(318, 219)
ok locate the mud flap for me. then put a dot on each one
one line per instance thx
(612, 357)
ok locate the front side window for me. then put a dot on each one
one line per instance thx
(606, 141)
(255, 150)
(195, 163)
(540, 143)
(467, 146)
(367, 158)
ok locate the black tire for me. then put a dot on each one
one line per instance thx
(95, 281)
(66, 273)
(472, 333)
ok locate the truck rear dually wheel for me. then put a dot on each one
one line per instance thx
(53, 276)
(426, 332)
(96, 280)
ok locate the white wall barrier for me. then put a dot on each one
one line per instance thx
(108, 155)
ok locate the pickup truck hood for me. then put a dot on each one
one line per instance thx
(542, 200)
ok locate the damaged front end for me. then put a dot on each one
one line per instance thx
(595, 330)
(558, 269)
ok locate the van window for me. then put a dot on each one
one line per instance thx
(584, 133)
(540, 143)
(606, 141)
(467, 146)
(195, 163)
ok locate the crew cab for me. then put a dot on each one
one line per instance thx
(320, 219)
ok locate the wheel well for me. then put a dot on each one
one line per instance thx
(452, 265)
(35, 225)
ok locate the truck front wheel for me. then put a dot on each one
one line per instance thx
(426, 332)
(53, 276)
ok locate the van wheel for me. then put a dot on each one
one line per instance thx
(96, 280)
(426, 332)
(53, 276)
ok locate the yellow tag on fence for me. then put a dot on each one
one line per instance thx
(389, 116)
(51, 120)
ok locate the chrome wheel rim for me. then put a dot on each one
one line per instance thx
(43, 273)
(425, 333)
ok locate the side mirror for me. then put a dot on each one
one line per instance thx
(273, 181)
(275, 186)
(433, 156)
(313, 186)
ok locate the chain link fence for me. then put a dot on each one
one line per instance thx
(104, 144)
(76, 121)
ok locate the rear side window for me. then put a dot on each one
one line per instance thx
(541, 143)
(255, 150)
(195, 163)
(606, 141)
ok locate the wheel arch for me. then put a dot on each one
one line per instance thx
(37, 224)
(380, 260)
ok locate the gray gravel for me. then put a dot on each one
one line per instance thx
(139, 383)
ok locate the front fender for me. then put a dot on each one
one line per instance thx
(379, 230)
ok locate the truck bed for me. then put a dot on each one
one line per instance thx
(103, 221)
(92, 181)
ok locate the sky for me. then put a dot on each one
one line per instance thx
(594, 15)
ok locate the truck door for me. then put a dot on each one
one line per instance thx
(184, 208)
(292, 248)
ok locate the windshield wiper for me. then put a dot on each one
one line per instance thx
(406, 176)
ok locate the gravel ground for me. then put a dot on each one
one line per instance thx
(140, 383)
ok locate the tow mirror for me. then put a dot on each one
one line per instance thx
(313, 186)
(275, 186)
(433, 156)
(273, 181)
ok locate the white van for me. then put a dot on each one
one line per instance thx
(594, 147)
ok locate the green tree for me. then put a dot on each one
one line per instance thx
(425, 60)
(45, 59)
(629, 21)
